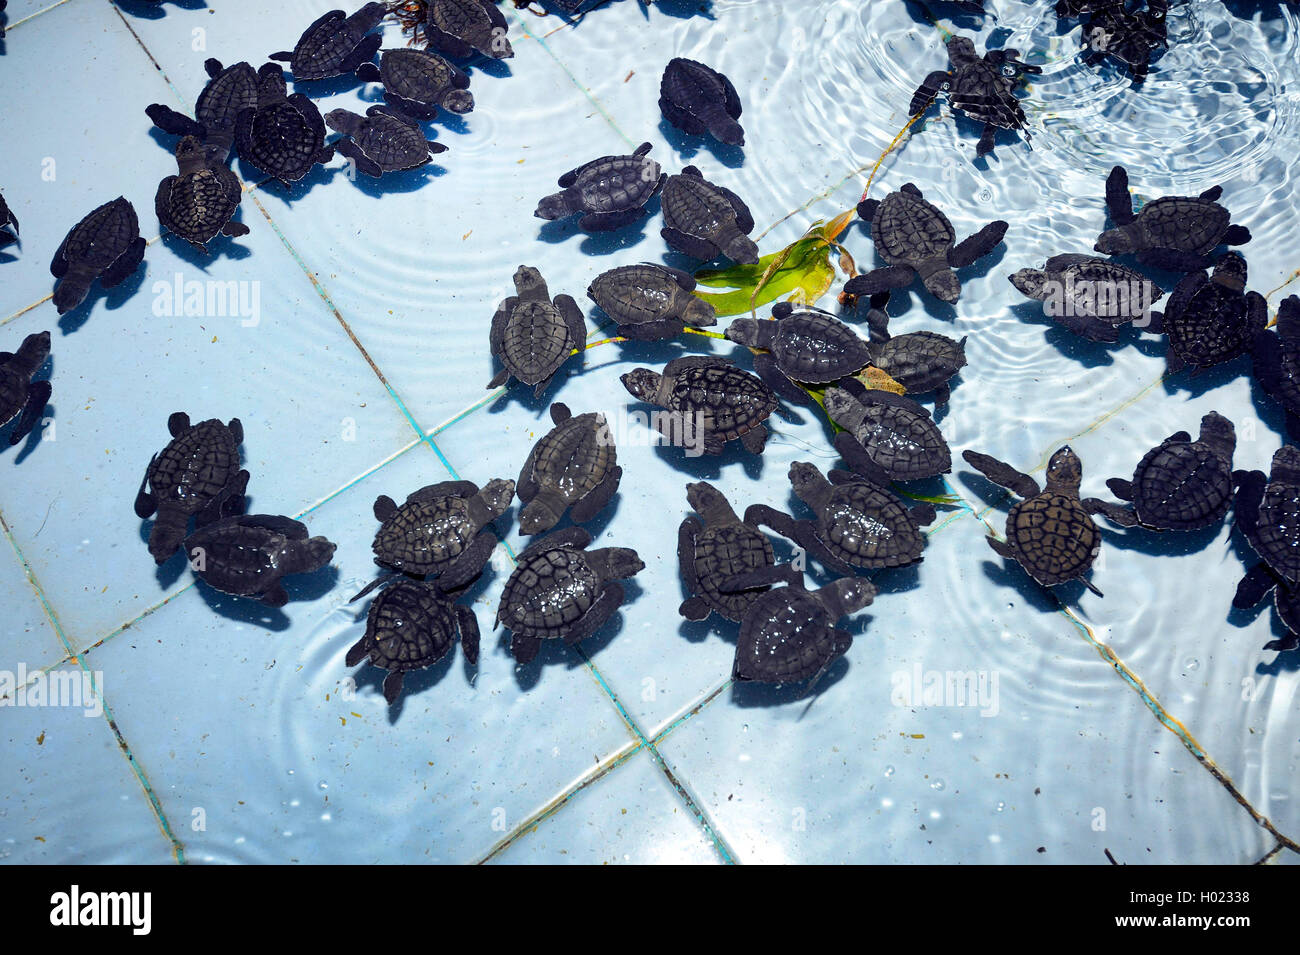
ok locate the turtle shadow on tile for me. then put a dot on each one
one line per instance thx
(33, 440)
(688, 146)
(748, 695)
(488, 66)
(113, 299)
(323, 88)
(320, 175)
(1010, 575)
(966, 20)
(1139, 540)
(596, 244)
(220, 248)
(397, 182)
(682, 9)
(707, 467)
(1192, 383)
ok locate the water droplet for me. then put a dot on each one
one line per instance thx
(1192, 663)
(985, 195)
(323, 785)
(937, 784)
(999, 807)
(889, 771)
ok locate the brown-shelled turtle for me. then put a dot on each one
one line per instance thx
(886, 437)
(198, 203)
(915, 239)
(1176, 233)
(418, 82)
(699, 100)
(533, 335)
(859, 525)
(1049, 532)
(8, 224)
(1179, 485)
(381, 141)
(230, 90)
(412, 625)
(20, 397)
(1091, 297)
(248, 555)
(1267, 511)
(284, 136)
(561, 591)
(199, 466)
(922, 362)
(572, 467)
(336, 44)
(1130, 37)
(981, 87)
(704, 220)
(713, 551)
(460, 28)
(1211, 320)
(804, 344)
(650, 302)
(1275, 358)
(709, 401)
(609, 192)
(105, 245)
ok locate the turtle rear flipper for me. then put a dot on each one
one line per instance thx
(987, 140)
(124, 264)
(525, 649)
(1236, 235)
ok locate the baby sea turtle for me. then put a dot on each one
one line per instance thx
(105, 245)
(712, 552)
(1268, 513)
(1091, 297)
(230, 91)
(1129, 37)
(610, 192)
(247, 555)
(459, 28)
(649, 301)
(198, 203)
(8, 222)
(1276, 360)
(859, 525)
(20, 397)
(699, 100)
(709, 400)
(704, 220)
(804, 344)
(335, 44)
(441, 530)
(417, 82)
(1181, 485)
(560, 590)
(533, 335)
(921, 362)
(199, 466)
(284, 136)
(412, 625)
(573, 467)
(887, 437)
(382, 140)
(916, 239)
(1212, 320)
(1176, 233)
(982, 88)
(1049, 532)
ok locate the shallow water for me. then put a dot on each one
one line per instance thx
(360, 372)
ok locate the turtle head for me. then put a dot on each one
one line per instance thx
(497, 495)
(270, 84)
(457, 100)
(847, 595)
(554, 206)
(808, 482)
(343, 121)
(699, 313)
(943, 285)
(1031, 282)
(707, 501)
(1230, 271)
(741, 249)
(1218, 433)
(842, 407)
(642, 383)
(529, 283)
(751, 332)
(622, 562)
(316, 553)
(33, 351)
(191, 155)
(961, 50)
(1064, 471)
(1115, 242)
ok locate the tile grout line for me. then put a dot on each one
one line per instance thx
(9, 27)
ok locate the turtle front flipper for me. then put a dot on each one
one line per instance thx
(857, 458)
(525, 649)
(987, 140)
(1118, 201)
(609, 221)
(468, 564)
(766, 368)
(880, 280)
(599, 496)
(978, 245)
(691, 245)
(1236, 235)
(755, 439)
(927, 91)
(393, 686)
(1123, 516)
(170, 121)
(1002, 474)
(469, 635)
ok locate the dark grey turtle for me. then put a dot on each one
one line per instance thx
(699, 100)
(572, 467)
(1176, 233)
(610, 192)
(886, 437)
(916, 239)
(650, 302)
(230, 91)
(336, 44)
(1276, 361)
(1211, 320)
(418, 82)
(459, 28)
(532, 335)
(284, 136)
(3, 3)
(1049, 532)
(561, 591)
(199, 202)
(1267, 511)
(8, 222)
(981, 87)
(199, 466)
(1180, 485)
(709, 401)
(788, 634)
(105, 245)
(248, 555)
(1132, 38)
(704, 220)
(921, 362)
(382, 140)
(410, 626)
(712, 552)
(804, 344)
(859, 525)
(1091, 297)
(20, 397)
(442, 530)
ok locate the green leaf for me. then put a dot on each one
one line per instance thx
(946, 500)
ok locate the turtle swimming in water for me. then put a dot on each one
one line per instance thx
(804, 344)
(20, 397)
(1211, 320)
(533, 335)
(610, 192)
(1267, 512)
(284, 136)
(699, 100)
(916, 239)
(199, 202)
(573, 467)
(704, 220)
(336, 44)
(8, 224)
(381, 141)
(712, 551)
(230, 90)
(922, 362)
(1276, 359)
(418, 82)
(1180, 485)
(1175, 233)
(460, 28)
(649, 301)
(887, 437)
(1049, 532)
(105, 245)
(247, 555)
(1131, 38)
(1091, 297)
